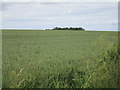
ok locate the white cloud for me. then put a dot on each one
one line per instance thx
(48, 15)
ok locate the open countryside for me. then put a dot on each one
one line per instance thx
(60, 59)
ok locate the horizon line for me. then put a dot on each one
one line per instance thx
(50, 29)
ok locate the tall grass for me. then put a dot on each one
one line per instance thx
(104, 74)
(60, 59)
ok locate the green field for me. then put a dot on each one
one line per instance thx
(59, 59)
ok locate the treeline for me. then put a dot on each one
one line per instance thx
(67, 28)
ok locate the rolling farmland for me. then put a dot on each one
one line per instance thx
(59, 59)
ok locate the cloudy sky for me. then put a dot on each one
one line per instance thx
(42, 15)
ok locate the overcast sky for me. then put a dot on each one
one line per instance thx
(89, 15)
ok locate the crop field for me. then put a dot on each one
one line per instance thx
(60, 59)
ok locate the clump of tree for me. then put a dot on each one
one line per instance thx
(69, 28)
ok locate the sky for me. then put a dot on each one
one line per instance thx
(101, 16)
(59, 0)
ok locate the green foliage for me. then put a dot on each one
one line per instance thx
(67, 28)
(60, 59)
(106, 74)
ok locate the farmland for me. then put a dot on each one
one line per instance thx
(59, 59)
